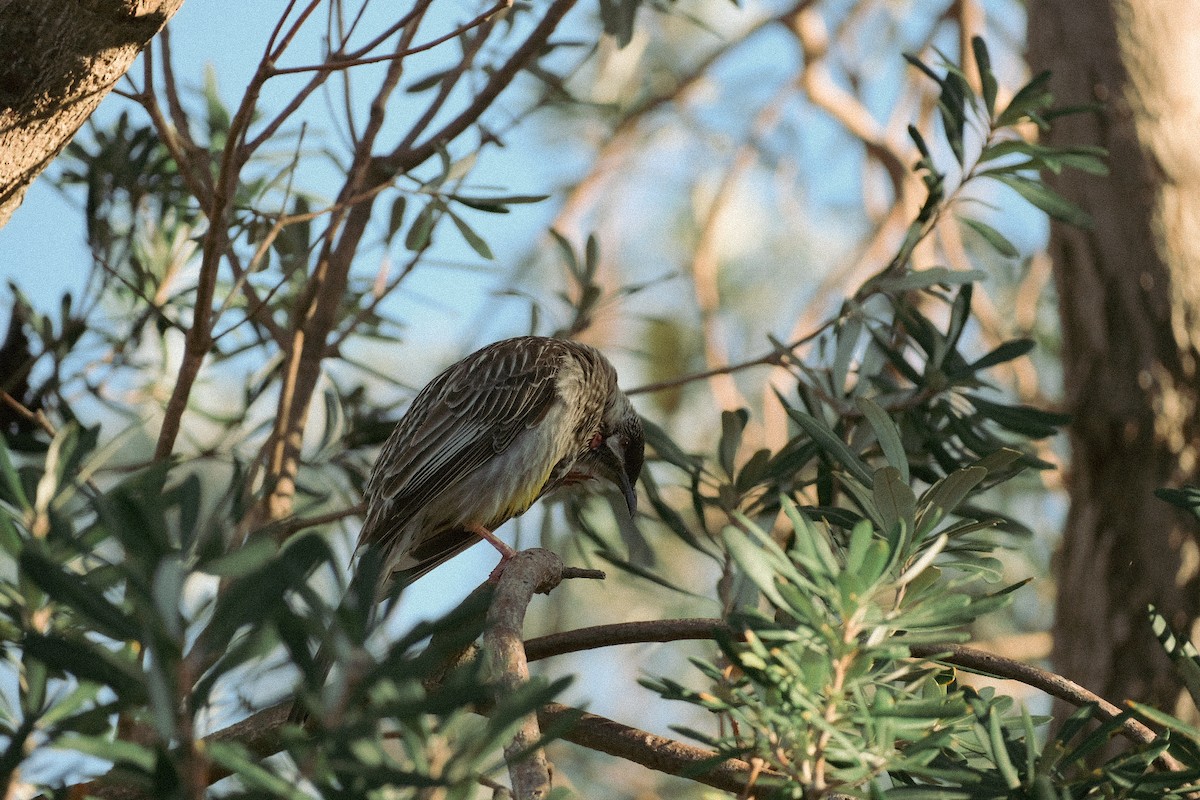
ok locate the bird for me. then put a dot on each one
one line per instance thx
(479, 445)
(488, 437)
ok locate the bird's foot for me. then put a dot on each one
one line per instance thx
(506, 552)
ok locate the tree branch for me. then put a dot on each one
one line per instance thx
(649, 750)
(527, 573)
(958, 655)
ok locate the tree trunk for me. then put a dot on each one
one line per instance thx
(1129, 299)
(60, 58)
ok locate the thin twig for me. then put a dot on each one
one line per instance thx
(776, 357)
(405, 158)
(36, 417)
(338, 62)
(287, 527)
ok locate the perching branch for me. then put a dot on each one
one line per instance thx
(528, 572)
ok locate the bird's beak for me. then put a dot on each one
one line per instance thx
(612, 460)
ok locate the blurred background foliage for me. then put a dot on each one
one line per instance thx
(816, 265)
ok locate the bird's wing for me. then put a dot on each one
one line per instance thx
(464, 417)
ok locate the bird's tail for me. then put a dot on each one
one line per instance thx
(366, 593)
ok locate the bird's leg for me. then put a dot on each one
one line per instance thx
(506, 552)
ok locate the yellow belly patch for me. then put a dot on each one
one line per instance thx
(521, 500)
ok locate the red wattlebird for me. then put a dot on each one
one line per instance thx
(481, 443)
(489, 436)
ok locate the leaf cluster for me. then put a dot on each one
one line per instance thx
(109, 611)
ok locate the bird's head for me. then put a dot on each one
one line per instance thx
(617, 450)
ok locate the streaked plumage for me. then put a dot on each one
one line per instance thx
(488, 437)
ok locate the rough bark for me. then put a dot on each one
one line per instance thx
(60, 58)
(1129, 298)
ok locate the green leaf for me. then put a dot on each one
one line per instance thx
(943, 498)
(73, 590)
(999, 460)
(1000, 751)
(953, 107)
(13, 489)
(429, 81)
(756, 470)
(992, 236)
(753, 561)
(396, 217)
(235, 757)
(119, 751)
(591, 258)
(251, 556)
(10, 538)
(670, 517)
(62, 715)
(498, 205)
(134, 512)
(1007, 351)
(472, 238)
(732, 425)
(809, 543)
(1187, 498)
(987, 80)
(420, 234)
(1045, 199)
(927, 278)
(1182, 652)
(1029, 156)
(828, 441)
(665, 448)
(960, 314)
(1029, 99)
(848, 332)
(567, 251)
(617, 16)
(167, 590)
(888, 435)
(218, 115)
(1032, 422)
(251, 599)
(893, 498)
(1166, 720)
(87, 661)
(861, 537)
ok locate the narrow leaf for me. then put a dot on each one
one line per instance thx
(1031, 97)
(421, 232)
(987, 80)
(754, 563)
(992, 236)
(1005, 352)
(888, 435)
(472, 238)
(893, 498)
(1047, 200)
(72, 590)
(829, 442)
